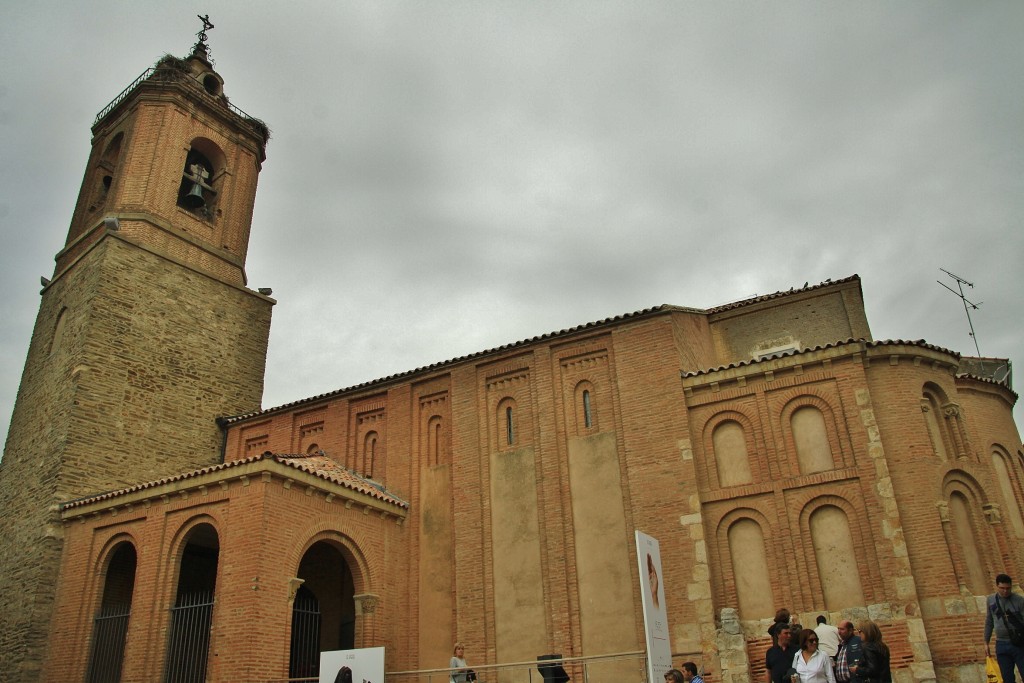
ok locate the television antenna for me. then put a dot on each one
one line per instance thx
(959, 291)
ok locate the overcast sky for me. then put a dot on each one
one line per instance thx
(446, 177)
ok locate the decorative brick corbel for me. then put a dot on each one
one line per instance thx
(293, 588)
(366, 603)
(992, 513)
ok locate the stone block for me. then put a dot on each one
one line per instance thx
(916, 631)
(698, 591)
(906, 587)
(932, 607)
(881, 611)
(700, 552)
(922, 671)
(690, 519)
(954, 606)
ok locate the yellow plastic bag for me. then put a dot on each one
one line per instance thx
(992, 670)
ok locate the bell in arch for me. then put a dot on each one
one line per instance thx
(194, 198)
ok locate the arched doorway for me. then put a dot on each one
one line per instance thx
(324, 612)
(191, 617)
(110, 626)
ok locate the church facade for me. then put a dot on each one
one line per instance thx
(168, 528)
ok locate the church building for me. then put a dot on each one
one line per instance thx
(158, 524)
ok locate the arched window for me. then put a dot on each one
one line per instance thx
(104, 177)
(1001, 463)
(192, 615)
(585, 407)
(931, 408)
(836, 557)
(436, 447)
(58, 332)
(369, 453)
(110, 626)
(810, 435)
(312, 449)
(750, 567)
(967, 534)
(731, 458)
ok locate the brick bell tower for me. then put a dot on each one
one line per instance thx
(146, 332)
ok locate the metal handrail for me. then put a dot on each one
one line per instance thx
(169, 75)
(529, 663)
(445, 673)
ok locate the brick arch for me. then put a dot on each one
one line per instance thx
(867, 564)
(102, 558)
(177, 543)
(960, 482)
(930, 387)
(1009, 484)
(808, 397)
(709, 468)
(725, 578)
(362, 572)
(101, 563)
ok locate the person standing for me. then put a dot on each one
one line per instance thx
(779, 658)
(458, 663)
(828, 637)
(873, 666)
(781, 622)
(813, 665)
(1005, 606)
(674, 676)
(690, 674)
(849, 652)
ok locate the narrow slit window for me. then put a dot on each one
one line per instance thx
(588, 415)
(510, 430)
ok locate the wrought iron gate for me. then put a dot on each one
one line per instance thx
(189, 642)
(305, 649)
(109, 630)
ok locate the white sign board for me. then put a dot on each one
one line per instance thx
(352, 666)
(659, 647)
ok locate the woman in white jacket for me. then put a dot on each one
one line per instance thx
(812, 665)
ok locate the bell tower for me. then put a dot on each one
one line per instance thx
(146, 331)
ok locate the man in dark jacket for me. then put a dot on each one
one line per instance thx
(849, 652)
(779, 657)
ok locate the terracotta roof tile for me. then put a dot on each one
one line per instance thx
(318, 465)
(655, 310)
(867, 344)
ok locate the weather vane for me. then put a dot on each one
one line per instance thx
(205, 18)
(960, 282)
(201, 46)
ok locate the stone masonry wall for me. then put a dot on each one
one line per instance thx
(149, 356)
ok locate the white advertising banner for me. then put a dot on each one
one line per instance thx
(659, 647)
(365, 665)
